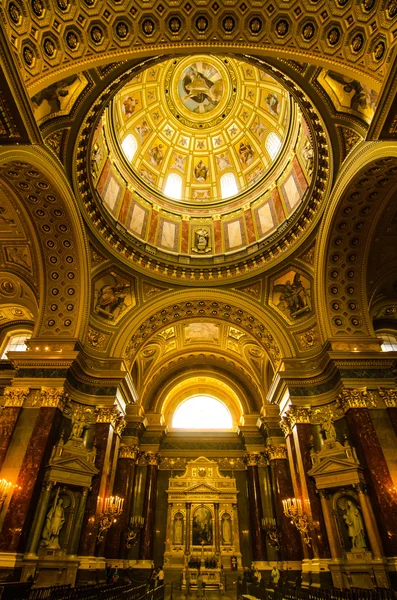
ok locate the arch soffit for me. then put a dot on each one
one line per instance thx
(218, 384)
(43, 190)
(216, 368)
(204, 304)
(365, 183)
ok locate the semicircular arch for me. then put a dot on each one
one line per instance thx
(366, 182)
(38, 181)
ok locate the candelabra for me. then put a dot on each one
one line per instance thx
(293, 510)
(5, 487)
(113, 507)
(136, 524)
(270, 527)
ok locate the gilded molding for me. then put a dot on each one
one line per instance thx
(53, 398)
(389, 397)
(276, 452)
(15, 396)
(128, 452)
(357, 398)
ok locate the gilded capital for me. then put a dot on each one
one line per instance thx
(389, 397)
(53, 398)
(152, 458)
(128, 452)
(112, 415)
(276, 452)
(15, 396)
(252, 459)
(357, 398)
(285, 426)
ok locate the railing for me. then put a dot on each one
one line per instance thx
(287, 592)
(120, 591)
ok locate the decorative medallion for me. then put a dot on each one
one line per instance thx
(333, 36)
(15, 13)
(38, 7)
(379, 51)
(357, 42)
(282, 27)
(122, 30)
(308, 31)
(255, 26)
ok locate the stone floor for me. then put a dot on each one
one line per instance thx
(177, 594)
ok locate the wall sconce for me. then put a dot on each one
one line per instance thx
(269, 525)
(293, 510)
(136, 524)
(113, 508)
(5, 487)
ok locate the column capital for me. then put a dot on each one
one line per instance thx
(15, 396)
(355, 398)
(254, 459)
(52, 398)
(152, 458)
(295, 415)
(112, 415)
(276, 452)
(128, 451)
(389, 397)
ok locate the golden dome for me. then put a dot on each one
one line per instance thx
(202, 155)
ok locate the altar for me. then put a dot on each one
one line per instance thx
(202, 522)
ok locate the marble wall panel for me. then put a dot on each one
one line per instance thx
(168, 237)
(249, 226)
(8, 421)
(153, 227)
(234, 234)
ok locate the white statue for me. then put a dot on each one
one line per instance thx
(355, 526)
(226, 530)
(53, 524)
(178, 530)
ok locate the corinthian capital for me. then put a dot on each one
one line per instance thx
(357, 398)
(276, 452)
(389, 397)
(15, 396)
(110, 414)
(53, 398)
(152, 458)
(128, 452)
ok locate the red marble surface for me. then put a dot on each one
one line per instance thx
(185, 237)
(381, 489)
(392, 413)
(319, 533)
(256, 514)
(290, 547)
(103, 439)
(149, 514)
(101, 185)
(125, 205)
(299, 174)
(115, 538)
(278, 207)
(218, 236)
(153, 227)
(249, 226)
(23, 502)
(8, 420)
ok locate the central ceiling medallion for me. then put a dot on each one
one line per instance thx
(200, 92)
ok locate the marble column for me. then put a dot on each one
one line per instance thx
(20, 511)
(187, 542)
(389, 397)
(123, 487)
(40, 516)
(302, 434)
(290, 544)
(104, 430)
(333, 539)
(78, 522)
(217, 527)
(380, 484)
(370, 522)
(13, 402)
(149, 507)
(256, 511)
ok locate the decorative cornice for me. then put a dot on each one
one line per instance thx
(276, 452)
(389, 397)
(15, 396)
(357, 398)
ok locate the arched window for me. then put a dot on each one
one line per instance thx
(129, 146)
(202, 412)
(273, 144)
(389, 342)
(173, 186)
(228, 185)
(16, 343)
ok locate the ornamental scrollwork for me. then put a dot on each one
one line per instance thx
(15, 396)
